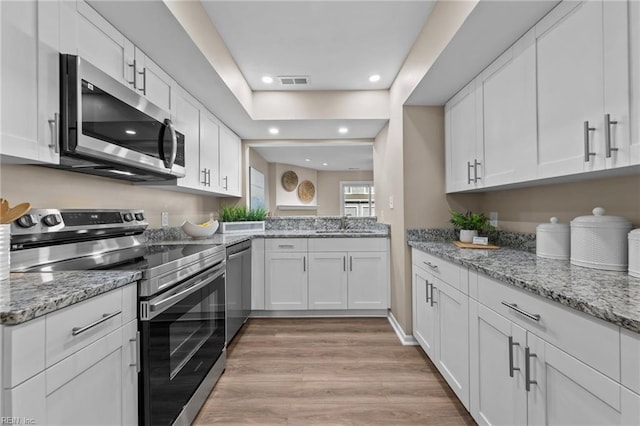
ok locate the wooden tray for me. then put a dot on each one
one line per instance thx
(474, 246)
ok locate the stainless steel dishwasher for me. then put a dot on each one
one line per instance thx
(238, 286)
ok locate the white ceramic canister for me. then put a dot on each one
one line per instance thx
(600, 241)
(553, 240)
(5, 242)
(634, 253)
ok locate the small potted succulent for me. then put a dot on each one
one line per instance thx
(469, 224)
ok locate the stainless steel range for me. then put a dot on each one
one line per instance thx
(181, 298)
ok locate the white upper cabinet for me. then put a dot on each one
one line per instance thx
(463, 135)
(29, 81)
(209, 152)
(230, 160)
(582, 63)
(634, 67)
(186, 117)
(509, 115)
(152, 81)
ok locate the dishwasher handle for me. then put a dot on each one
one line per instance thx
(239, 254)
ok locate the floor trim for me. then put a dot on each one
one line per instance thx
(405, 339)
(351, 313)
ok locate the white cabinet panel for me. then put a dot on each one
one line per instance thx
(209, 151)
(424, 314)
(130, 369)
(328, 280)
(186, 117)
(27, 400)
(24, 345)
(152, 81)
(257, 273)
(368, 280)
(230, 162)
(634, 69)
(286, 277)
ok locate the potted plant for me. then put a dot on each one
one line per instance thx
(241, 219)
(469, 224)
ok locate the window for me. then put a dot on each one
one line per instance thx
(357, 199)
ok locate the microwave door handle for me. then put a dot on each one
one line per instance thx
(174, 144)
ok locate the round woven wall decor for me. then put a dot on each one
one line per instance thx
(289, 180)
(306, 191)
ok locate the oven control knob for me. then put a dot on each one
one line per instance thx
(139, 216)
(51, 220)
(26, 221)
(128, 217)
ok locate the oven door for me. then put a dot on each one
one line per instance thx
(182, 336)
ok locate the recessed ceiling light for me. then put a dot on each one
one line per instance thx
(325, 164)
(267, 79)
(130, 132)
(307, 159)
(274, 130)
(375, 77)
(343, 130)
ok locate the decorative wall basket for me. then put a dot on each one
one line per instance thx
(306, 191)
(289, 180)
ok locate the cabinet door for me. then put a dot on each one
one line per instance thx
(463, 131)
(569, 392)
(509, 111)
(634, 67)
(230, 160)
(130, 369)
(186, 115)
(105, 47)
(27, 401)
(286, 281)
(152, 81)
(368, 280)
(570, 77)
(328, 280)
(209, 151)
(496, 381)
(424, 318)
(86, 388)
(452, 345)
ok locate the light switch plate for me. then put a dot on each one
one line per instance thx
(164, 219)
(493, 219)
(391, 201)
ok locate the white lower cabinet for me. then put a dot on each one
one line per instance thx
(328, 281)
(96, 384)
(368, 283)
(286, 276)
(424, 318)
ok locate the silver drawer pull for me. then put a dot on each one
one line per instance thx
(535, 317)
(527, 369)
(511, 367)
(105, 317)
(286, 246)
(431, 265)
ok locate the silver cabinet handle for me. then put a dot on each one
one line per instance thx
(469, 166)
(208, 177)
(587, 153)
(535, 317)
(431, 294)
(426, 291)
(304, 263)
(511, 367)
(344, 263)
(431, 265)
(351, 263)
(144, 81)
(285, 246)
(133, 73)
(607, 134)
(137, 363)
(55, 125)
(527, 369)
(476, 163)
(226, 183)
(105, 317)
(204, 176)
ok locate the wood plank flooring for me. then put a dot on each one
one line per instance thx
(328, 371)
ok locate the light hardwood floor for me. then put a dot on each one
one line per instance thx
(329, 371)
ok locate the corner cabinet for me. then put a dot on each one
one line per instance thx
(54, 377)
(29, 81)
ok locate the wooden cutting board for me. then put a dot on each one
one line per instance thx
(474, 246)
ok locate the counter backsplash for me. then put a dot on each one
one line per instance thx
(517, 240)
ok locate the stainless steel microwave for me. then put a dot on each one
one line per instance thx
(108, 129)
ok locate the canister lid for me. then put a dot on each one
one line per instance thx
(553, 226)
(600, 220)
(635, 235)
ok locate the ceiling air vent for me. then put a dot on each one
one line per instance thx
(293, 80)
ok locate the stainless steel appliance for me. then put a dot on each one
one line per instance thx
(238, 286)
(108, 129)
(181, 296)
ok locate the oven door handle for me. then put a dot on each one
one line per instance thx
(202, 282)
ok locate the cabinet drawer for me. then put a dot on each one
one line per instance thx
(592, 341)
(61, 342)
(456, 276)
(348, 244)
(286, 244)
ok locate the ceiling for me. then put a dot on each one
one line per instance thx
(338, 156)
(336, 44)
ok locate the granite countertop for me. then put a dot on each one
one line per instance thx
(610, 296)
(28, 295)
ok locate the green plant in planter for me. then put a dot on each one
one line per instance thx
(241, 214)
(256, 214)
(470, 221)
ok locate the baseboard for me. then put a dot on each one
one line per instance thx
(319, 313)
(405, 339)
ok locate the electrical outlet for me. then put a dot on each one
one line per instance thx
(391, 201)
(164, 219)
(493, 219)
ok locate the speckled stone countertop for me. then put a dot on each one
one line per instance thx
(25, 296)
(610, 296)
